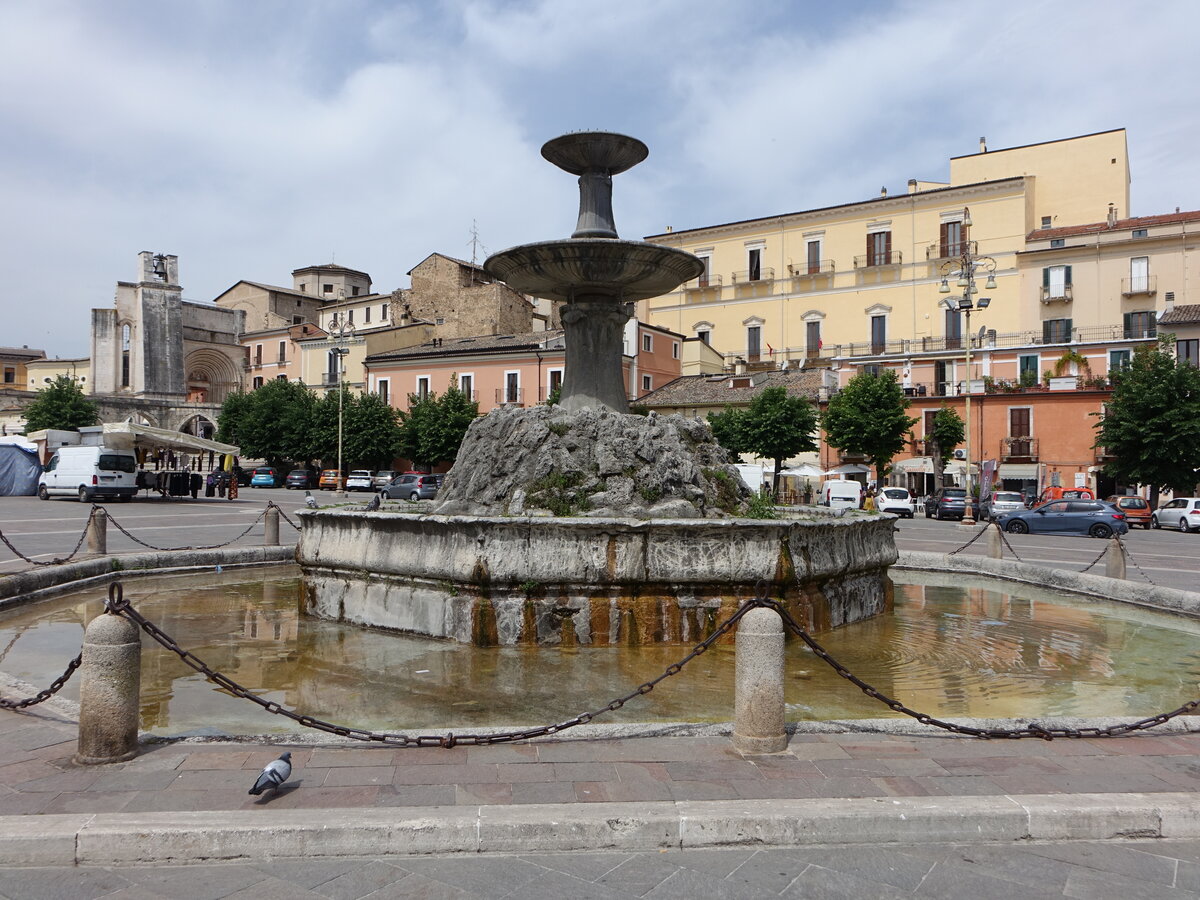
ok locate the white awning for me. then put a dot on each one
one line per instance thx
(1019, 471)
(804, 470)
(148, 436)
(850, 469)
(916, 466)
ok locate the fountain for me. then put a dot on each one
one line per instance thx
(579, 523)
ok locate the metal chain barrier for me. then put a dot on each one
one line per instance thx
(1129, 556)
(980, 533)
(1004, 539)
(55, 686)
(117, 604)
(283, 515)
(1103, 553)
(58, 560)
(137, 540)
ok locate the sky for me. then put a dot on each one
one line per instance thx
(254, 137)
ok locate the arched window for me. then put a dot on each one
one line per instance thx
(126, 333)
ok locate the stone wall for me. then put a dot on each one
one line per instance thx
(469, 302)
(515, 580)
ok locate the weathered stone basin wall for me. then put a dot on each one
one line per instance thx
(595, 582)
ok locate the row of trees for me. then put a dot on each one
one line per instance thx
(283, 421)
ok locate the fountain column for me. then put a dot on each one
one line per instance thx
(594, 327)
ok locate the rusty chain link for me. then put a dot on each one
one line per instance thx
(136, 540)
(980, 533)
(58, 560)
(286, 518)
(1129, 556)
(55, 686)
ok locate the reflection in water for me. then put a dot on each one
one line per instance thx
(948, 649)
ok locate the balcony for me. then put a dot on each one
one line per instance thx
(1104, 455)
(510, 396)
(1139, 285)
(921, 447)
(1054, 293)
(812, 276)
(329, 379)
(878, 268)
(852, 457)
(745, 286)
(940, 252)
(702, 290)
(1019, 449)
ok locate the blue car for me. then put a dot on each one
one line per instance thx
(1091, 517)
(265, 476)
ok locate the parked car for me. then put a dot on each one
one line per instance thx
(999, 502)
(1137, 510)
(896, 500)
(266, 476)
(1182, 513)
(299, 478)
(1092, 517)
(384, 477)
(1055, 492)
(947, 503)
(328, 480)
(413, 486)
(360, 480)
(89, 473)
(841, 493)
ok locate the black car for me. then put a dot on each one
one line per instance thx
(301, 479)
(948, 503)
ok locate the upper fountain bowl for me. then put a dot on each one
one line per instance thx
(595, 151)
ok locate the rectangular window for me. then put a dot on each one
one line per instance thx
(1189, 351)
(282, 352)
(422, 386)
(367, 315)
(647, 343)
(705, 273)
(1056, 281)
(647, 383)
(1056, 243)
(354, 293)
(1140, 232)
(1139, 274)
(813, 252)
(303, 288)
(704, 335)
(674, 349)
(753, 343)
(754, 264)
(1046, 220)
(10, 375)
(953, 329)
(327, 289)
(941, 378)
(555, 380)
(383, 312)
(879, 248)
(349, 317)
(258, 382)
(812, 339)
(281, 378)
(1030, 367)
(258, 354)
(383, 389)
(878, 333)
(1118, 359)
(512, 387)
(1140, 325)
(951, 239)
(1056, 331)
(466, 384)
(1019, 422)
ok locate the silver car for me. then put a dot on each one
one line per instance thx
(999, 503)
(1182, 513)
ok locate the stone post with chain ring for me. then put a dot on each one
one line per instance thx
(1114, 559)
(109, 691)
(758, 708)
(995, 542)
(271, 527)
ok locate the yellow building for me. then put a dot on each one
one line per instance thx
(817, 282)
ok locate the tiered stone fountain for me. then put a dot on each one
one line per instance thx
(580, 523)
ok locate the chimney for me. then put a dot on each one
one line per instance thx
(1112, 216)
(883, 191)
(983, 145)
(912, 185)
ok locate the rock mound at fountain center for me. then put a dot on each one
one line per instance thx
(592, 462)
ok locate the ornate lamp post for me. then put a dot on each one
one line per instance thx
(964, 266)
(341, 336)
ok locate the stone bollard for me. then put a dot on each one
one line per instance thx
(271, 527)
(995, 542)
(97, 539)
(109, 688)
(1114, 559)
(758, 710)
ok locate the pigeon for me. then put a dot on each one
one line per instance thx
(275, 774)
(372, 504)
(309, 501)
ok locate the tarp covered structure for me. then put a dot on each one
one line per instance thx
(19, 468)
(118, 433)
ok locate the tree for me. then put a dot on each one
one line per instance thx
(273, 422)
(1151, 426)
(867, 416)
(433, 428)
(61, 405)
(947, 433)
(371, 431)
(774, 426)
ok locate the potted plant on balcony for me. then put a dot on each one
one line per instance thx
(1061, 381)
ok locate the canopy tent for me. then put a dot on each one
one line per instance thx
(850, 469)
(19, 467)
(148, 436)
(804, 470)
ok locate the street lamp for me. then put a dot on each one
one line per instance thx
(341, 336)
(964, 267)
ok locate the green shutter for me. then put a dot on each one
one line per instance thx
(1046, 277)
(1066, 274)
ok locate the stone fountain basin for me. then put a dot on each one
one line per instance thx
(564, 270)
(593, 582)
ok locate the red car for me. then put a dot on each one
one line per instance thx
(1137, 511)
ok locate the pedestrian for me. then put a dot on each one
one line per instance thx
(869, 502)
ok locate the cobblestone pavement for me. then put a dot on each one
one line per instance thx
(1142, 869)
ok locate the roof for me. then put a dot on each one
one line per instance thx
(488, 343)
(21, 353)
(272, 287)
(461, 262)
(1187, 314)
(1175, 218)
(331, 267)
(718, 390)
(1040, 143)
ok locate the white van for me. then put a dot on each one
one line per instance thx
(842, 493)
(89, 473)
